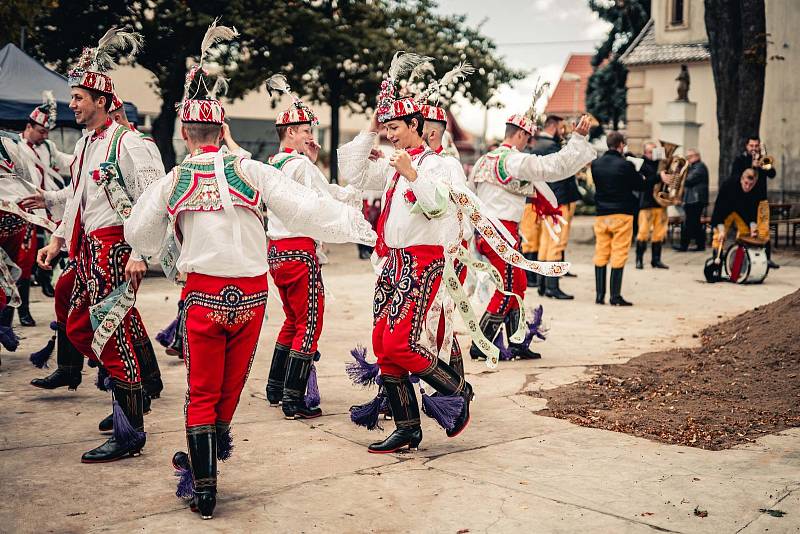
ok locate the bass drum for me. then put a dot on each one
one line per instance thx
(752, 263)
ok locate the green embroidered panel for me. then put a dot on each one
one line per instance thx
(234, 176)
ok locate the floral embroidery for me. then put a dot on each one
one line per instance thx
(410, 197)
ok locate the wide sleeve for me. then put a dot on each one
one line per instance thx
(139, 167)
(63, 160)
(432, 187)
(147, 225)
(552, 167)
(356, 167)
(305, 211)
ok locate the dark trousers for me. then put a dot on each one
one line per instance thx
(692, 228)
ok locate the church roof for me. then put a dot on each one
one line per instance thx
(646, 51)
(569, 97)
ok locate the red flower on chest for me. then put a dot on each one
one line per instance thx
(410, 197)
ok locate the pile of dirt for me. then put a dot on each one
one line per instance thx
(741, 383)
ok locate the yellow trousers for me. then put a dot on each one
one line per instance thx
(652, 224)
(742, 229)
(529, 230)
(613, 235)
(550, 250)
(763, 219)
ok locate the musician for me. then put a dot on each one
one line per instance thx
(615, 181)
(695, 200)
(751, 157)
(652, 217)
(737, 204)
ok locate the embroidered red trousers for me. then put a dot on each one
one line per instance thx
(12, 234)
(223, 321)
(297, 275)
(514, 279)
(99, 269)
(26, 257)
(63, 292)
(404, 293)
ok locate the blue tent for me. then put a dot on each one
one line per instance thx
(22, 80)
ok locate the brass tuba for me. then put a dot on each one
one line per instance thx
(677, 167)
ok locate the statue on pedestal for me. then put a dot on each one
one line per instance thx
(683, 84)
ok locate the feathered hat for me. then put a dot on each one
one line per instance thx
(529, 120)
(116, 102)
(392, 105)
(298, 112)
(45, 115)
(433, 112)
(90, 70)
(205, 108)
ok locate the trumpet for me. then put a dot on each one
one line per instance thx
(763, 160)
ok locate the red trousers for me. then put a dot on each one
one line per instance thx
(63, 292)
(27, 252)
(223, 321)
(514, 278)
(404, 293)
(296, 272)
(12, 233)
(100, 268)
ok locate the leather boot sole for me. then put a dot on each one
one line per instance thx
(131, 454)
(463, 428)
(401, 447)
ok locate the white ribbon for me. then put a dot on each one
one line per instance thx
(36, 220)
(225, 198)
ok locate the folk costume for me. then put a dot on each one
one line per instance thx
(416, 254)
(213, 201)
(742, 162)
(615, 181)
(296, 272)
(111, 168)
(504, 178)
(653, 220)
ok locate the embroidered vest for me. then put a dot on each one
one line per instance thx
(194, 187)
(282, 158)
(491, 168)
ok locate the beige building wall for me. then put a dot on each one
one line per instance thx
(651, 87)
(782, 95)
(692, 31)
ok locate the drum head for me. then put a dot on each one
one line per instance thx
(737, 273)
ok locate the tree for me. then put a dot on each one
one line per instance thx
(737, 37)
(605, 91)
(18, 16)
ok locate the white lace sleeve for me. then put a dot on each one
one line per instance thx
(139, 167)
(147, 225)
(305, 211)
(356, 167)
(552, 167)
(432, 186)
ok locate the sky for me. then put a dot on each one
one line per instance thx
(516, 26)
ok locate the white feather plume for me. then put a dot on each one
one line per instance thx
(220, 87)
(115, 40)
(403, 62)
(420, 70)
(49, 100)
(538, 93)
(216, 34)
(462, 70)
(278, 82)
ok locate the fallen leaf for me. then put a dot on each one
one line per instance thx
(773, 513)
(700, 513)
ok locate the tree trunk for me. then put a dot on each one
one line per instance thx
(335, 105)
(738, 42)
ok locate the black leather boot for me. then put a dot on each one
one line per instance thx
(107, 423)
(446, 381)
(128, 438)
(44, 279)
(405, 411)
(655, 260)
(616, 288)
(520, 351)
(24, 312)
(533, 278)
(641, 247)
(600, 284)
(569, 274)
(771, 264)
(176, 347)
(70, 365)
(490, 324)
(7, 316)
(148, 365)
(541, 289)
(298, 367)
(456, 358)
(553, 291)
(277, 375)
(202, 441)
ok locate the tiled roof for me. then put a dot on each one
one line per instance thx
(645, 51)
(564, 101)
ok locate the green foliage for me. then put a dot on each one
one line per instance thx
(605, 92)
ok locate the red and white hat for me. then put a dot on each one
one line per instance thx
(45, 115)
(392, 105)
(433, 112)
(205, 108)
(116, 102)
(89, 72)
(531, 119)
(298, 112)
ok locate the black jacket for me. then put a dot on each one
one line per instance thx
(731, 199)
(566, 190)
(695, 187)
(615, 180)
(745, 160)
(650, 172)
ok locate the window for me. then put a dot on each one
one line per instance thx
(677, 12)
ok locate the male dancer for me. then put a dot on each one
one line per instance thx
(504, 178)
(214, 201)
(112, 167)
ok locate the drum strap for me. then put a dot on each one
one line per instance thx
(738, 259)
